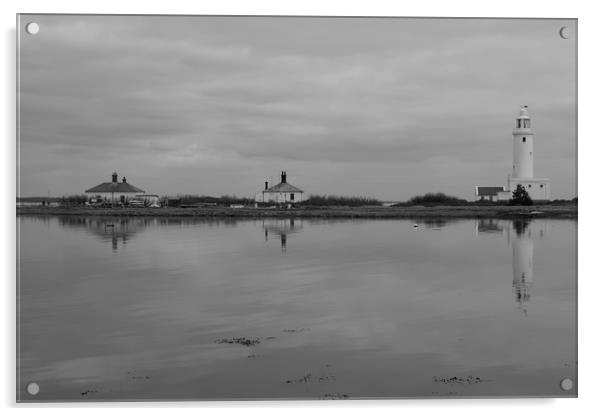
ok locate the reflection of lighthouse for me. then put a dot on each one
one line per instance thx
(520, 234)
(522, 264)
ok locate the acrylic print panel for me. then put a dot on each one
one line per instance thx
(219, 207)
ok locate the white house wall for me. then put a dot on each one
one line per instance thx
(538, 189)
(280, 197)
(113, 196)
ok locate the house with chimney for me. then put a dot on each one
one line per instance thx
(114, 191)
(283, 193)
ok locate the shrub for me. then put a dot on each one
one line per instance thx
(520, 196)
(73, 200)
(432, 199)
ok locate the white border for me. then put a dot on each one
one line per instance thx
(589, 150)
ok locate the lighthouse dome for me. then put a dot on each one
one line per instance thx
(524, 113)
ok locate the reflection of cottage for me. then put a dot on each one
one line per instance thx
(116, 231)
(281, 228)
(114, 191)
(489, 225)
(282, 193)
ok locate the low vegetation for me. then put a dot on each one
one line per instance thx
(557, 202)
(224, 200)
(434, 199)
(347, 201)
(73, 200)
(441, 199)
(312, 203)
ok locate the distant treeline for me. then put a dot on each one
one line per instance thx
(332, 200)
(38, 199)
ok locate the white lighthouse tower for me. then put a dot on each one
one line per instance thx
(523, 161)
(523, 146)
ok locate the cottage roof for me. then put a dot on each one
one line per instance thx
(283, 187)
(122, 187)
(489, 190)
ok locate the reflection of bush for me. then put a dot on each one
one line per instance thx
(435, 222)
(520, 226)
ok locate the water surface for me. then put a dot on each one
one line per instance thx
(145, 308)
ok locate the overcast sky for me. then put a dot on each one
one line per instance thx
(379, 107)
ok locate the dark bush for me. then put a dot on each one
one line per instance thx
(434, 199)
(73, 200)
(520, 196)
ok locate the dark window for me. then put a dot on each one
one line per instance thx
(524, 139)
(541, 186)
(292, 197)
(529, 185)
(518, 123)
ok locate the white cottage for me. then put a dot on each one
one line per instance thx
(282, 193)
(114, 191)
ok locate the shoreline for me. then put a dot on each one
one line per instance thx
(488, 211)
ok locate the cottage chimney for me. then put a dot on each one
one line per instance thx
(124, 181)
(266, 185)
(114, 177)
(283, 177)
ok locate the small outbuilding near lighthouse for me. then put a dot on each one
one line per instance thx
(491, 193)
(283, 193)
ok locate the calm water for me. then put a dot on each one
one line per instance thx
(339, 309)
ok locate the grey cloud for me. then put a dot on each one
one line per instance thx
(203, 96)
